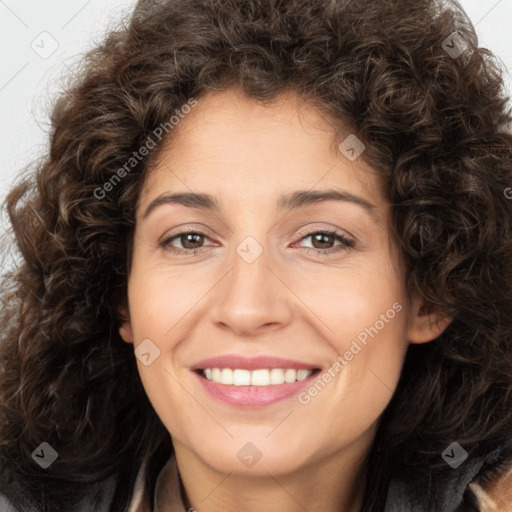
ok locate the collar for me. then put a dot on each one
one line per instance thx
(167, 490)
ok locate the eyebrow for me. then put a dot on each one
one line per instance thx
(294, 200)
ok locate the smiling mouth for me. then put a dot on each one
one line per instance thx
(258, 377)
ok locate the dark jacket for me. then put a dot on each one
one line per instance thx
(451, 494)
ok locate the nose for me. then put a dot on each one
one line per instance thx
(252, 298)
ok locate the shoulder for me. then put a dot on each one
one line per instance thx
(480, 484)
(490, 488)
(95, 498)
(493, 490)
(12, 495)
(6, 505)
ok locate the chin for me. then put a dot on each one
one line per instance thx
(250, 459)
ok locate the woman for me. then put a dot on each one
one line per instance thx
(261, 369)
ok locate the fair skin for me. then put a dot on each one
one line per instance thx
(290, 302)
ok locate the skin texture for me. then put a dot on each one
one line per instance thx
(288, 303)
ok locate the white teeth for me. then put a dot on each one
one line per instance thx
(241, 377)
(276, 376)
(290, 376)
(226, 376)
(303, 374)
(262, 377)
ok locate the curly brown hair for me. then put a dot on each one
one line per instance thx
(435, 130)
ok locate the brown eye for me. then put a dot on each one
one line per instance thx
(322, 242)
(189, 241)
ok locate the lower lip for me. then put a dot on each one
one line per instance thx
(253, 396)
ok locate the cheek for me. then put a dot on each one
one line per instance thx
(364, 308)
(367, 314)
(159, 299)
(359, 301)
(372, 341)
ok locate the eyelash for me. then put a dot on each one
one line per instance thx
(346, 243)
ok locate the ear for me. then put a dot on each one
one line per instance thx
(425, 323)
(125, 329)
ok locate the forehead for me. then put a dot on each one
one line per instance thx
(238, 148)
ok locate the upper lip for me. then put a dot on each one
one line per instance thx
(251, 363)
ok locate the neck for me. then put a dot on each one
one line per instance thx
(333, 483)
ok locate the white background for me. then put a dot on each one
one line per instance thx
(29, 82)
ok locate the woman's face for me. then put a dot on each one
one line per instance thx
(259, 285)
